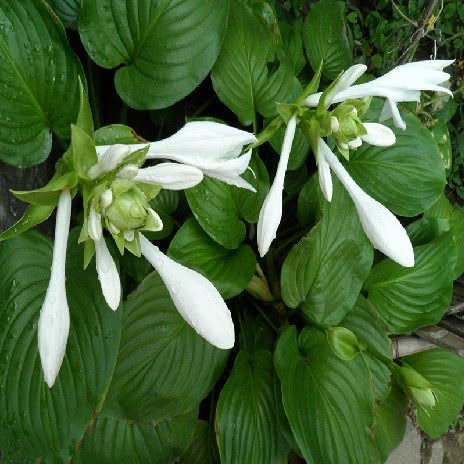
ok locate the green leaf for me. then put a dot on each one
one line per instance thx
(328, 402)
(409, 298)
(229, 270)
(83, 151)
(50, 193)
(308, 203)
(407, 177)
(368, 328)
(443, 209)
(162, 49)
(39, 72)
(325, 271)
(249, 203)
(34, 215)
(67, 11)
(164, 368)
(203, 448)
(242, 76)
(390, 424)
(214, 207)
(38, 422)
(445, 371)
(325, 38)
(246, 418)
(116, 133)
(112, 440)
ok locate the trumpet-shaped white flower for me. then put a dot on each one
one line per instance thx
(271, 211)
(194, 296)
(109, 159)
(381, 227)
(170, 176)
(54, 316)
(107, 274)
(402, 84)
(323, 168)
(211, 147)
(378, 134)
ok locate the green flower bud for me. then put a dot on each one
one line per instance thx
(419, 389)
(344, 343)
(128, 211)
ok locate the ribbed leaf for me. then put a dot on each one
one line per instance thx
(408, 298)
(203, 449)
(241, 76)
(112, 440)
(443, 209)
(229, 270)
(38, 73)
(246, 419)
(329, 402)
(325, 271)
(407, 177)
(35, 421)
(325, 38)
(214, 207)
(390, 424)
(164, 368)
(445, 371)
(163, 49)
(367, 326)
(67, 11)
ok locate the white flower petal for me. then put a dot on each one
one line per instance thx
(170, 176)
(112, 156)
(378, 134)
(194, 296)
(208, 139)
(381, 227)
(325, 177)
(95, 228)
(271, 211)
(106, 198)
(348, 78)
(355, 143)
(107, 274)
(53, 329)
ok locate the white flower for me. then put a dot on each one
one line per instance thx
(381, 227)
(170, 176)
(211, 147)
(323, 168)
(402, 84)
(107, 274)
(109, 158)
(378, 134)
(271, 211)
(54, 316)
(194, 296)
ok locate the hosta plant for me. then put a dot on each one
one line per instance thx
(243, 218)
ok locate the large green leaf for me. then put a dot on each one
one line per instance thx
(407, 177)
(163, 48)
(203, 449)
(329, 402)
(215, 209)
(325, 271)
(229, 270)
(390, 424)
(242, 77)
(325, 38)
(164, 368)
(445, 371)
(35, 421)
(38, 73)
(443, 209)
(409, 298)
(113, 440)
(246, 418)
(367, 327)
(67, 11)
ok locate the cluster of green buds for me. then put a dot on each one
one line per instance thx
(418, 388)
